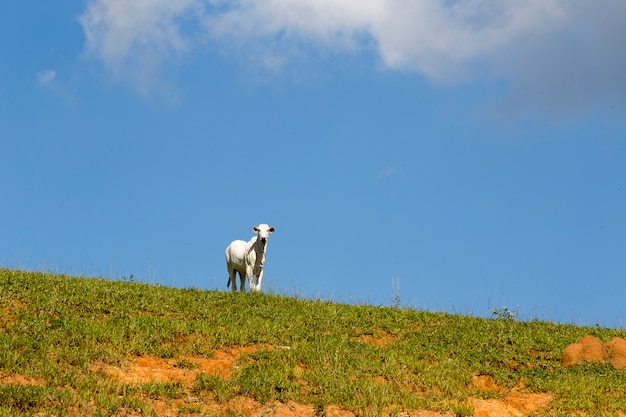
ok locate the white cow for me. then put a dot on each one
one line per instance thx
(248, 258)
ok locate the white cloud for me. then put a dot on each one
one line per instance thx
(134, 39)
(569, 49)
(48, 81)
(387, 172)
(580, 62)
(46, 77)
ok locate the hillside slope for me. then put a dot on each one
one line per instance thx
(90, 347)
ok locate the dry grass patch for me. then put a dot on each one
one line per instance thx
(8, 312)
(17, 379)
(381, 339)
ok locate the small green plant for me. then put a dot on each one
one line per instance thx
(185, 364)
(220, 388)
(504, 313)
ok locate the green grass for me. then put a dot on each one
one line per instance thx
(53, 329)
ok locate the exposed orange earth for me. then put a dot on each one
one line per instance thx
(184, 370)
(142, 369)
(591, 349)
(223, 362)
(513, 403)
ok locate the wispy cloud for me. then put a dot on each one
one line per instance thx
(134, 39)
(46, 77)
(387, 172)
(47, 80)
(560, 52)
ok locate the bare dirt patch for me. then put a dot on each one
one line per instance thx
(485, 383)
(591, 349)
(380, 340)
(143, 369)
(243, 406)
(423, 413)
(616, 348)
(513, 403)
(494, 408)
(529, 403)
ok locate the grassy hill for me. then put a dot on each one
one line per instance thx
(76, 346)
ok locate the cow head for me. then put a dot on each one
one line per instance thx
(263, 232)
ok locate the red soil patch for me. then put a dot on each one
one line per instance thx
(377, 341)
(529, 403)
(591, 349)
(185, 369)
(245, 406)
(494, 408)
(224, 361)
(512, 404)
(144, 369)
(485, 383)
(423, 413)
(616, 348)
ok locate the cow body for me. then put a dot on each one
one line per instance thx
(247, 259)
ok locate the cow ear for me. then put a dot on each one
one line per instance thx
(271, 230)
(255, 229)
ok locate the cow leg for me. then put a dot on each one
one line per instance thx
(232, 276)
(258, 281)
(250, 273)
(242, 279)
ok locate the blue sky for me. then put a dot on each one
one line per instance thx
(474, 151)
